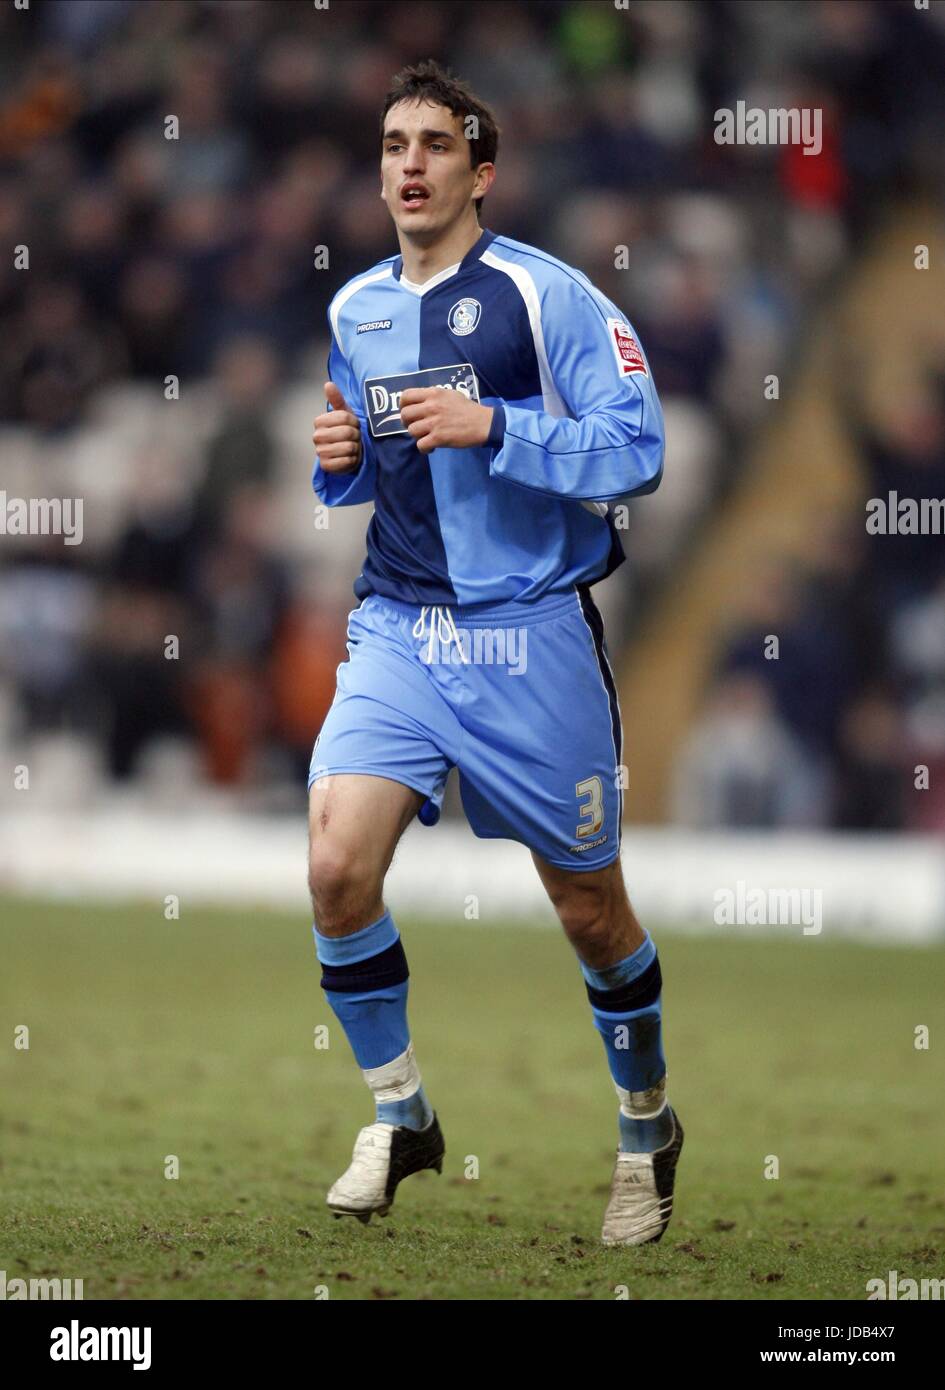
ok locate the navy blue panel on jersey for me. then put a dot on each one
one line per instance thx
(405, 554)
(506, 365)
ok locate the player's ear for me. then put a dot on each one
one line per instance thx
(485, 178)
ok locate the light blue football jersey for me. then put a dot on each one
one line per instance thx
(577, 424)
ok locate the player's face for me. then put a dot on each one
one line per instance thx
(426, 179)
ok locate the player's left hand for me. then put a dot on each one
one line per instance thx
(441, 419)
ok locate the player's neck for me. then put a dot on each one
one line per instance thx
(423, 262)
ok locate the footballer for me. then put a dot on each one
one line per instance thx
(489, 401)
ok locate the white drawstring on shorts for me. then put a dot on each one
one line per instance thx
(442, 628)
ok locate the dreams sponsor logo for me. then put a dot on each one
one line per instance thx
(382, 393)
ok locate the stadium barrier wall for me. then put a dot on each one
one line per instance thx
(881, 888)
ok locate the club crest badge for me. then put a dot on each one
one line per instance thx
(464, 317)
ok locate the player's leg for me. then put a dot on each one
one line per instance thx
(541, 763)
(355, 823)
(621, 971)
(364, 966)
(379, 757)
(347, 866)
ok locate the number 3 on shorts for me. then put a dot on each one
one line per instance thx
(592, 812)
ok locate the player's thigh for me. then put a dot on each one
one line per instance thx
(355, 822)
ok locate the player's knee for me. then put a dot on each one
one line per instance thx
(341, 884)
(585, 912)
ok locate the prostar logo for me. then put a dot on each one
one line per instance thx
(373, 326)
(382, 393)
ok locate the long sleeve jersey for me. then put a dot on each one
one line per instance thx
(577, 423)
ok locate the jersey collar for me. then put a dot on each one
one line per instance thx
(472, 255)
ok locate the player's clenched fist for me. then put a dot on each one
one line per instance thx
(337, 436)
(441, 419)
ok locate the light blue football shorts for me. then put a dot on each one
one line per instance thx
(520, 697)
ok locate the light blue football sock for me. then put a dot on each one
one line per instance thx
(364, 976)
(626, 1007)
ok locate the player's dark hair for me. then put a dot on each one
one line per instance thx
(427, 81)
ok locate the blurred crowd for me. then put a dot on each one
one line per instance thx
(844, 722)
(165, 348)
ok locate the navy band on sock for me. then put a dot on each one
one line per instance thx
(631, 995)
(387, 968)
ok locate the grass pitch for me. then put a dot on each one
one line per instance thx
(195, 1038)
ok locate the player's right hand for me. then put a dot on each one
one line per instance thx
(337, 436)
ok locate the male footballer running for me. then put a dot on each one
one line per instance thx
(489, 401)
